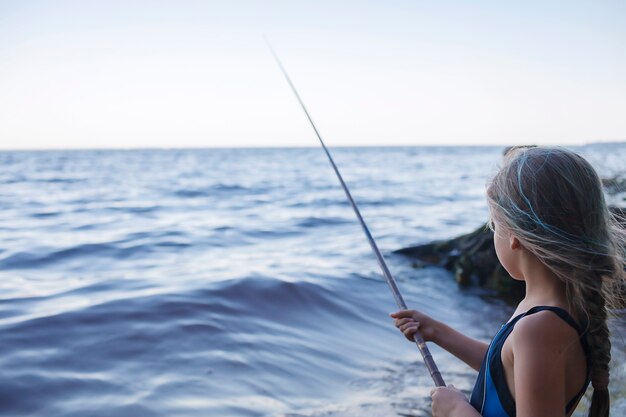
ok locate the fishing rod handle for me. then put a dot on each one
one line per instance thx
(428, 360)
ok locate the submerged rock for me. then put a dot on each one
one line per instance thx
(472, 258)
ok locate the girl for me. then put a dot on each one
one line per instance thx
(553, 230)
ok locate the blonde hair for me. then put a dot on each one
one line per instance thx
(552, 200)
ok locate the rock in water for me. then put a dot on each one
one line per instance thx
(472, 258)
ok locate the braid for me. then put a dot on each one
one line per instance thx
(599, 351)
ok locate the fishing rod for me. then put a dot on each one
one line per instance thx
(417, 337)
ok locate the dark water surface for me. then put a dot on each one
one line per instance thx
(231, 282)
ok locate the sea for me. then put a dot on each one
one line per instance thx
(237, 282)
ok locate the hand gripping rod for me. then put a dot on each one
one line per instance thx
(419, 341)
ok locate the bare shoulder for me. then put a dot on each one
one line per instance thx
(544, 331)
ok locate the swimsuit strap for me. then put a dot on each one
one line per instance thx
(563, 314)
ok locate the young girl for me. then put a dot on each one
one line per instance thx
(553, 230)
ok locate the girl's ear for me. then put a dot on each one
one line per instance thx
(514, 243)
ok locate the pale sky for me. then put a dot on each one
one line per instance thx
(147, 73)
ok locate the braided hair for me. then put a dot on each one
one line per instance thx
(552, 200)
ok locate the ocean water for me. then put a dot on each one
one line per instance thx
(233, 282)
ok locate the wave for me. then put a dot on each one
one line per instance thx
(30, 259)
(45, 214)
(45, 257)
(21, 179)
(319, 203)
(242, 333)
(213, 190)
(321, 221)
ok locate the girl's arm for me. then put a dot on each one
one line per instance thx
(469, 350)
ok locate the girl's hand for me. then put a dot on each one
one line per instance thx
(409, 321)
(450, 402)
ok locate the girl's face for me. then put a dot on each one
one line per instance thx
(507, 249)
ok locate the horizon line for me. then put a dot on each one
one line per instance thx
(191, 147)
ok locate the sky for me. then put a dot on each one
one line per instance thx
(163, 74)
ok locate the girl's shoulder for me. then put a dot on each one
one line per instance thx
(545, 329)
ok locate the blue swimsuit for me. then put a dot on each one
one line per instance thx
(491, 396)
